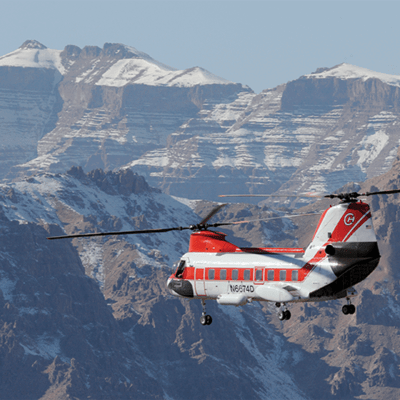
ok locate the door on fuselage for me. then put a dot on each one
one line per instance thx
(258, 276)
(199, 283)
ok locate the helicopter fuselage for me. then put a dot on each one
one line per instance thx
(343, 252)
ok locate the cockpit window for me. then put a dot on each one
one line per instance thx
(181, 267)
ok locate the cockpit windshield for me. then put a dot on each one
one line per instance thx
(180, 269)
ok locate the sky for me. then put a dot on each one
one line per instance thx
(261, 44)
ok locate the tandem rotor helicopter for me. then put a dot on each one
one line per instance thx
(342, 253)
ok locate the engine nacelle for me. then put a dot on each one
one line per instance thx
(273, 293)
(353, 250)
(232, 299)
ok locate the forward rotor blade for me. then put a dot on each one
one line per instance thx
(202, 225)
(180, 228)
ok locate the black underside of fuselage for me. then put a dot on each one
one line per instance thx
(181, 287)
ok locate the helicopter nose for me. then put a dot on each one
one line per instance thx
(169, 286)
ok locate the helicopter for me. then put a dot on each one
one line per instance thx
(343, 252)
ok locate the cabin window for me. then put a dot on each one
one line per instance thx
(295, 275)
(270, 275)
(246, 275)
(235, 274)
(222, 274)
(259, 274)
(211, 273)
(282, 275)
(181, 267)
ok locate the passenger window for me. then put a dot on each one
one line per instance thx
(282, 275)
(271, 275)
(259, 275)
(246, 275)
(295, 275)
(235, 275)
(180, 269)
(222, 274)
(211, 274)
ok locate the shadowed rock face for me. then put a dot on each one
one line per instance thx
(58, 337)
(123, 182)
(372, 95)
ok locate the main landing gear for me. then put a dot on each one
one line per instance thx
(283, 313)
(205, 319)
(348, 308)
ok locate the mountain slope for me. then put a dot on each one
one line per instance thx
(61, 325)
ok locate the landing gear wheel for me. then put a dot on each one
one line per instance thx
(282, 315)
(348, 309)
(206, 320)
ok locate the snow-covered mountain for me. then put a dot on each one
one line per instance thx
(190, 133)
(314, 133)
(93, 107)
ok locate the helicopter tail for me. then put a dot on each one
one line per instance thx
(345, 238)
(345, 226)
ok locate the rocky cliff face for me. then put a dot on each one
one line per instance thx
(190, 133)
(73, 342)
(315, 133)
(58, 337)
(102, 107)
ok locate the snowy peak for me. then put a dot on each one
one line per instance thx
(32, 44)
(149, 72)
(348, 71)
(33, 54)
(114, 65)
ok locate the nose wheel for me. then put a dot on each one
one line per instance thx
(205, 319)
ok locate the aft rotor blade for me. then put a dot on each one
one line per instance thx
(211, 214)
(381, 192)
(272, 195)
(179, 228)
(262, 219)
